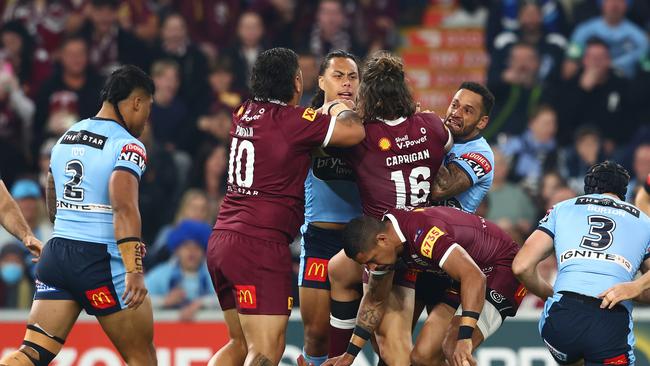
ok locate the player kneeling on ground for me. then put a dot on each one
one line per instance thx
(446, 241)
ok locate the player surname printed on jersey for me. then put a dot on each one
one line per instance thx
(135, 154)
(479, 163)
(408, 158)
(590, 254)
(244, 131)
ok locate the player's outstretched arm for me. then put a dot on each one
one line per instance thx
(461, 267)
(450, 181)
(371, 311)
(13, 220)
(123, 191)
(633, 290)
(348, 129)
(537, 247)
(642, 200)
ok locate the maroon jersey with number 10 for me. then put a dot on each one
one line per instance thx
(397, 161)
(268, 163)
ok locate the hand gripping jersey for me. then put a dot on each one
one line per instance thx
(397, 161)
(82, 163)
(268, 163)
(476, 159)
(599, 241)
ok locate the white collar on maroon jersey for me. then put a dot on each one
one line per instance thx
(393, 122)
(274, 101)
(393, 221)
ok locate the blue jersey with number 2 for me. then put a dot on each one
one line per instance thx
(82, 163)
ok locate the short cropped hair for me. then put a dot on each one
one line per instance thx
(360, 233)
(487, 98)
(273, 75)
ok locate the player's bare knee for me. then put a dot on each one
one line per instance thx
(420, 358)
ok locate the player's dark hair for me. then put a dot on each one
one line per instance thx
(359, 235)
(273, 75)
(487, 98)
(607, 177)
(383, 92)
(122, 82)
(319, 98)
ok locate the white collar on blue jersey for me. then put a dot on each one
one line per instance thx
(393, 122)
(393, 221)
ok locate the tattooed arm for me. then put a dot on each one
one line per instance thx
(450, 181)
(371, 311)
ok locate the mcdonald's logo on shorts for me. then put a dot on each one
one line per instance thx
(316, 269)
(246, 297)
(101, 298)
(290, 302)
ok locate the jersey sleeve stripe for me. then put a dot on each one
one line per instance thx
(547, 231)
(127, 169)
(330, 131)
(393, 221)
(447, 253)
(471, 177)
(646, 256)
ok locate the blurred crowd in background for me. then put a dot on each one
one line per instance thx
(569, 78)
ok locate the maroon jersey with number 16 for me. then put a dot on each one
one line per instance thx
(397, 161)
(268, 163)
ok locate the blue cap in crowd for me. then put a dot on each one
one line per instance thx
(25, 188)
(197, 231)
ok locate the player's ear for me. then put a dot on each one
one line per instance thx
(321, 81)
(483, 122)
(297, 82)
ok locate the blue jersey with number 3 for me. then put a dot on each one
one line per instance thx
(599, 241)
(82, 163)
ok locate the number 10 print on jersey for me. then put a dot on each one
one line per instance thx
(241, 165)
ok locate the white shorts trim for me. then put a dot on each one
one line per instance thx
(489, 320)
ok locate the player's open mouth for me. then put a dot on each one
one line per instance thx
(345, 95)
(454, 122)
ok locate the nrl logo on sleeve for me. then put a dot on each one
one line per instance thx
(479, 163)
(309, 114)
(430, 240)
(135, 154)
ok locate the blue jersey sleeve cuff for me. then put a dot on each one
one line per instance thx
(127, 169)
(547, 231)
(462, 168)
